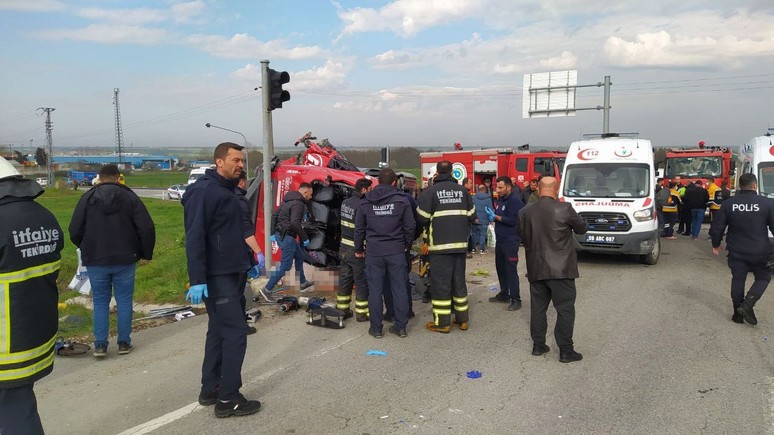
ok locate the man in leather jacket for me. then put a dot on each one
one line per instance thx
(546, 227)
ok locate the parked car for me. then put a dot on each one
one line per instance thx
(42, 181)
(176, 191)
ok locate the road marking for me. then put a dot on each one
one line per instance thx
(177, 414)
(770, 413)
(161, 421)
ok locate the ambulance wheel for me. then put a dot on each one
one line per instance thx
(652, 257)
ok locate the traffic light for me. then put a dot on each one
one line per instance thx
(276, 94)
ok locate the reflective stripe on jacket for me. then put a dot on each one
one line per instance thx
(30, 245)
(446, 210)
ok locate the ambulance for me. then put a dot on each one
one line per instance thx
(757, 157)
(609, 180)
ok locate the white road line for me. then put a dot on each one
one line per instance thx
(770, 412)
(177, 414)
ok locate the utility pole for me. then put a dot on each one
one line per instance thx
(49, 145)
(268, 153)
(118, 128)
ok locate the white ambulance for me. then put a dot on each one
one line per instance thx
(609, 180)
(757, 157)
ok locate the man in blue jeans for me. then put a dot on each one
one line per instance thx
(114, 231)
(290, 215)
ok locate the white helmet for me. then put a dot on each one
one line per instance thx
(7, 170)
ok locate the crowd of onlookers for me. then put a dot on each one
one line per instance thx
(685, 204)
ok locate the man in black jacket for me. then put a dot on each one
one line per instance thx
(546, 227)
(446, 211)
(114, 231)
(352, 268)
(289, 218)
(30, 245)
(217, 266)
(749, 218)
(384, 231)
(695, 199)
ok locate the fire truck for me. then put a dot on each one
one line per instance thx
(700, 164)
(484, 166)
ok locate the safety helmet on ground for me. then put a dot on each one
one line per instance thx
(7, 170)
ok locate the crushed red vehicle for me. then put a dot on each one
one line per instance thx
(332, 177)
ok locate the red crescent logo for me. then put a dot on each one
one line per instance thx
(588, 154)
(771, 151)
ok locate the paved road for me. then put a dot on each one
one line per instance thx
(660, 356)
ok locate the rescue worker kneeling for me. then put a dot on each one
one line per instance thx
(352, 267)
(447, 211)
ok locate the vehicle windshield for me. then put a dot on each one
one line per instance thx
(560, 163)
(766, 179)
(694, 167)
(607, 180)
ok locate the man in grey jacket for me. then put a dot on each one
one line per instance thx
(546, 227)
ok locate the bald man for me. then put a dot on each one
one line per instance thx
(546, 227)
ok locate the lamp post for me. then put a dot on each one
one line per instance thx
(247, 150)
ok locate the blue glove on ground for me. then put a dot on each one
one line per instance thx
(261, 260)
(306, 243)
(273, 238)
(490, 213)
(196, 292)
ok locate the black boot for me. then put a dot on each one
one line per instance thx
(569, 355)
(746, 311)
(736, 317)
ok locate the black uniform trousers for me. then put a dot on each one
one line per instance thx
(562, 293)
(224, 349)
(685, 219)
(506, 260)
(390, 310)
(19, 412)
(387, 274)
(448, 289)
(352, 272)
(740, 266)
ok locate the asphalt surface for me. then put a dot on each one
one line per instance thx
(661, 355)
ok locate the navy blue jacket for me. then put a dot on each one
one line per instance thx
(750, 219)
(506, 229)
(385, 222)
(213, 232)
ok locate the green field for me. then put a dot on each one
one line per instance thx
(163, 279)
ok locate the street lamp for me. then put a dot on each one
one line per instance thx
(247, 150)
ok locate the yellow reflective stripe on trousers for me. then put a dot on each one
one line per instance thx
(347, 224)
(343, 298)
(445, 246)
(6, 279)
(17, 357)
(461, 308)
(347, 242)
(462, 300)
(441, 302)
(24, 372)
(442, 311)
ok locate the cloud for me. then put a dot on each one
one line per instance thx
(329, 76)
(407, 17)
(125, 16)
(186, 12)
(32, 6)
(110, 34)
(245, 46)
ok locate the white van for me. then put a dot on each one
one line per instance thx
(757, 157)
(195, 174)
(609, 180)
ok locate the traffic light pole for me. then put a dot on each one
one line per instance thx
(268, 153)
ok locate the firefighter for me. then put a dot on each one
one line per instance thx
(447, 211)
(30, 245)
(715, 197)
(352, 267)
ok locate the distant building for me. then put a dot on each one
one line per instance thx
(136, 160)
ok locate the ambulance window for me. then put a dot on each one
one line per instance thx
(521, 164)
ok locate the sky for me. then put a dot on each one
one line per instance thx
(377, 72)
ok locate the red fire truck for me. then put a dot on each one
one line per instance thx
(699, 164)
(484, 166)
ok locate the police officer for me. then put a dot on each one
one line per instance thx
(749, 218)
(352, 268)
(384, 230)
(30, 245)
(505, 217)
(214, 247)
(447, 211)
